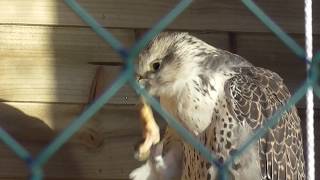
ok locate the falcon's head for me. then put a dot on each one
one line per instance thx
(167, 61)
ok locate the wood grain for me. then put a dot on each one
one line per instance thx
(113, 160)
(25, 121)
(217, 39)
(101, 149)
(222, 15)
(42, 43)
(95, 152)
(50, 64)
(62, 82)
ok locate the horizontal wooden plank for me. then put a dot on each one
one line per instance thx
(58, 82)
(35, 43)
(95, 141)
(113, 160)
(216, 39)
(25, 120)
(223, 15)
(265, 50)
(101, 149)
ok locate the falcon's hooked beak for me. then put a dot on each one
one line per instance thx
(141, 80)
(139, 77)
(145, 81)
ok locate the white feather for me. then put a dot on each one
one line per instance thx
(160, 167)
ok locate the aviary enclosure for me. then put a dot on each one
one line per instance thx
(54, 68)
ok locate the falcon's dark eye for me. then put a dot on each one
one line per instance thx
(155, 66)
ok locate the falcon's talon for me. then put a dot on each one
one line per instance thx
(151, 132)
(152, 137)
(141, 156)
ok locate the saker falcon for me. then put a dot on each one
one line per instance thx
(221, 99)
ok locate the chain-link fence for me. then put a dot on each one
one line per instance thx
(36, 163)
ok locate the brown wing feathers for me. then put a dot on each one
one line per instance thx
(255, 94)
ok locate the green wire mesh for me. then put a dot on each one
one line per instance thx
(35, 164)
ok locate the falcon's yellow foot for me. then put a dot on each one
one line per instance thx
(151, 133)
(152, 137)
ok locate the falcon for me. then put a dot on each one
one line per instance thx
(221, 99)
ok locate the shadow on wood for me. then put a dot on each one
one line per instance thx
(33, 134)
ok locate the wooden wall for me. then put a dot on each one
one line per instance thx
(49, 72)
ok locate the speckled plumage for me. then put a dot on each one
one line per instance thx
(221, 99)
